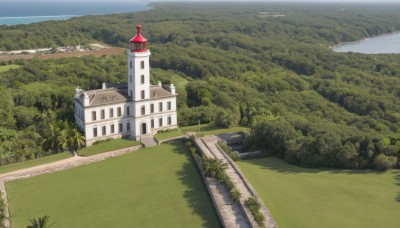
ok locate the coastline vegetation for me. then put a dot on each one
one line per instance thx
(277, 75)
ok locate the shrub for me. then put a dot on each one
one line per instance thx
(2, 211)
(235, 194)
(254, 206)
(233, 154)
(383, 162)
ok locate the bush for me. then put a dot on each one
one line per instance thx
(2, 211)
(383, 162)
(235, 194)
(254, 206)
(233, 154)
(102, 140)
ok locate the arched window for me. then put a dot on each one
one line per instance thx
(142, 65)
(142, 94)
(142, 79)
(130, 78)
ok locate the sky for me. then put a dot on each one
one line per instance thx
(360, 1)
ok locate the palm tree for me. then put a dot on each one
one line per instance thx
(76, 140)
(214, 167)
(40, 222)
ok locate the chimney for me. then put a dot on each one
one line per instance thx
(85, 100)
(103, 85)
(77, 92)
(159, 84)
(172, 89)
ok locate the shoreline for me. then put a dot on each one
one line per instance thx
(26, 20)
(362, 40)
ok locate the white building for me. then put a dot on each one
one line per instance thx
(135, 109)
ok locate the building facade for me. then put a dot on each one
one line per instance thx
(134, 109)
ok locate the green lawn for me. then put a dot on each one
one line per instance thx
(168, 135)
(300, 197)
(114, 144)
(31, 163)
(154, 187)
(8, 67)
(211, 129)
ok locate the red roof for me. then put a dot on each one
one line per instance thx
(138, 38)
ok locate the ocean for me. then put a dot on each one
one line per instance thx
(385, 44)
(14, 12)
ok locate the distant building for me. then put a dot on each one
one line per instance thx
(135, 109)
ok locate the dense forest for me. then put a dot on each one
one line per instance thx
(245, 65)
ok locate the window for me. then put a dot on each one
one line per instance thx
(103, 130)
(102, 114)
(128, 111)
(169, 105)
(160, 106)
(151, 108)
(128, 126)
(152, 123)
(142, 79)
(160, 122)
(120, 129)
(93, 115)
(142, 94)
(130, 64)
(95, 132)
(131, 93)
(143, 110)
(142, 65)
(130, 78)
(119, 111)
(111, 112)
(169, 120)
(112, 130)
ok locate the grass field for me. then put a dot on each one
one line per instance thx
(211, 129)
(154, 187)
(31, 163)
(8, 67)
(300, 197)
(169, 135)
(114, 144)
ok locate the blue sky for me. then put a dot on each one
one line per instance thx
(205, 0)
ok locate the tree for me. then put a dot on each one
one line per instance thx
(40, 222)
(383, 162)
(213, 167)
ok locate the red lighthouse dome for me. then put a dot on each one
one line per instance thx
(138, 42)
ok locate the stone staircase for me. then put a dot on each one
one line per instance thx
(148, 141)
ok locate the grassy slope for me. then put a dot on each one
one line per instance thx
(31, 163)
(300, 197)
(8, 67)
(155, 187)
(211, 129)
(114, 144)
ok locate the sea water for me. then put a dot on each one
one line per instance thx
(385, 44)
(14, 12)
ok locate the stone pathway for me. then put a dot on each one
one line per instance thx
(230, 213)
(148, 141)
(211, 149)
(54, 167)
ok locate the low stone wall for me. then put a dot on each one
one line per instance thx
(170, 139)
(48, 168)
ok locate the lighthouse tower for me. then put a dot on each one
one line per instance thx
(138, 68)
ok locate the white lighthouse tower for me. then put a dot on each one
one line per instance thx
(138, 68)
